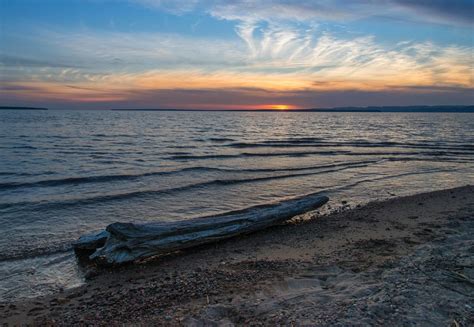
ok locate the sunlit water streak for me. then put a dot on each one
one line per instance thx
(65, 173)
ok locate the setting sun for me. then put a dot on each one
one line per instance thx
(274, 107)
(281, 107)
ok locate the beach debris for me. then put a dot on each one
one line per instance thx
(91, 241)
(127, 242)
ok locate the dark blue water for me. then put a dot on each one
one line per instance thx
(66, 173)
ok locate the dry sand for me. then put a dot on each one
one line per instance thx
(405, 261)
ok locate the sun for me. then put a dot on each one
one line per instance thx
(275, 106)
(280, 107)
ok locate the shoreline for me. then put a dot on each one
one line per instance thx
(398, 261)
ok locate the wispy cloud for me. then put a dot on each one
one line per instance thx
(273, 56)
(299, 53)
(20, 61)
(147, 50)
(291, 10)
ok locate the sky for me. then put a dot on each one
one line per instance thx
(241, 54)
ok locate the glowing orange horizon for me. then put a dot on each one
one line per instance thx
(281, 107)
(213, 106)
(275, 107)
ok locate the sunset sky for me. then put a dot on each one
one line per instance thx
(242, 54)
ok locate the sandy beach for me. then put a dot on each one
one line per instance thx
(405, 261)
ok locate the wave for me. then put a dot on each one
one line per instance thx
(364, 144)
(311, 153)
(12, 174)
(376, 179)
(251, 154)
(46, 205)
(129, 177)
(220, 139)
(94, 179)
(214, 139)
(30, 253)
(8, 173)
(14, 147)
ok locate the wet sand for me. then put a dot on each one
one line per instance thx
(404, 261)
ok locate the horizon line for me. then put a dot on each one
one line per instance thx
(413, 108)
(423, 108)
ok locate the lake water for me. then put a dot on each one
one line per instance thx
(66, 173)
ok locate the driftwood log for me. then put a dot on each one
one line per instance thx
(127, 242)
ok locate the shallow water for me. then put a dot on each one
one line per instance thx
(66, 173)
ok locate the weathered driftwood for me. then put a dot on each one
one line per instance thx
(126, 242)
(91, 242)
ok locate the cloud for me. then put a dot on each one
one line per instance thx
(454, 12)
(236, 98)
(272, 57)
(16, 61)
(291, 10)
(275, 55)
(298, 52)
(115, 51)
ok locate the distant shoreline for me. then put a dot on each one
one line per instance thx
(420, 109)
(21, 108)
(373, 109)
